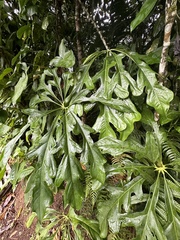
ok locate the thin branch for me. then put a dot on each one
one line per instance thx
(77, 26)
(95, 25)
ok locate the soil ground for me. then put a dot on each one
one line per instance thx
(14, 214)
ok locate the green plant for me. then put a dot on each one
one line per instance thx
(149, 201)
(78, 121)
(67, 226)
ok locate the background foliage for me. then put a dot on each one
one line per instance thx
(103, 132)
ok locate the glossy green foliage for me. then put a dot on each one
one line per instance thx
(106, 133)
(68, 225)
(78, 124)
(151, 204)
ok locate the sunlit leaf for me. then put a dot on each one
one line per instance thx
(45, 23)
(31, 11)
(67, 61)
(145, 10)
(4, 129)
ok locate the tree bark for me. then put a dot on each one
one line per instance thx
(170, 14)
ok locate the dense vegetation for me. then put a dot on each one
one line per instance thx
(89, 106)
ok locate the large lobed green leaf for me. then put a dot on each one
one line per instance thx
(69, 169)
(115, 109)
(158, 96)
(41, 179)
(66, 139)
(147, 223)
(42, 195)
(109, 211)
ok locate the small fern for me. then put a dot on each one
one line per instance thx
(170, 151)
(125, 233)
(90, 193)
(120, 158)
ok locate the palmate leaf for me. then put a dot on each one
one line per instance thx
(109, 211)
(124, 79)
(120, 113)
(158, 96)
(102, 122)
(147, 223)
(151, 225)
(64, 100)
(105, 82)
(48, 94)
(160, 219)
(151, 150)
